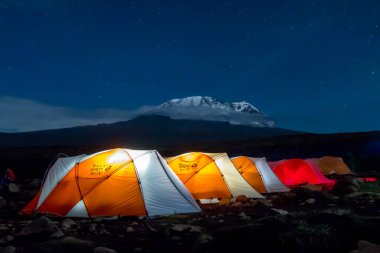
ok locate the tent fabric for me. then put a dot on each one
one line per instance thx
(258, 174)
(330, 165)
(116, 182)
(295, 172)
(210, 175)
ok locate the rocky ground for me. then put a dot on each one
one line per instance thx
(302, 220)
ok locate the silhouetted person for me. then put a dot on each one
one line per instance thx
(9, 177)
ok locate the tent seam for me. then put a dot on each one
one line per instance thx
(163, 168)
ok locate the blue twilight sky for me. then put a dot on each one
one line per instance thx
(309, 65)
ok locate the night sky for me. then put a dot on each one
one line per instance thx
(309, 65)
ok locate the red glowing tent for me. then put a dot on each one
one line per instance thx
(295, 172)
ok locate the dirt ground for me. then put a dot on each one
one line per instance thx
(301, 220)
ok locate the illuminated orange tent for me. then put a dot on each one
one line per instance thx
(330, 165)
(211, 176)
(117, 182)
(258, 174)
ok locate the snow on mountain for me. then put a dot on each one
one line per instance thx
(212, 103)
(209, 108)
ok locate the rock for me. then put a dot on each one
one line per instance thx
(186, 227)
(13, 188)
(35, 183)
(280, 211)
(328, 197)
(313, 187)
(345, 185)
(99, 219)
(286, 199)
(303, 193)
(366, 247)
(201, 240)
(67, 223)
(236, 204)
(3, 202)
(247, 204)
(365, 244)
(242, 199)
(356, 194)
(150, 228)
(336, 211)
(92, 227)
(65, 244)
(260, 203)
(42, 227)
(9, 249)
(242, 216)
(6, 239)
(104, 250)
(309, 201)
(103, 231)
(350, 189)
(130, 230)
(176, 238)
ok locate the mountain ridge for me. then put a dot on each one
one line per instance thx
(211, 109)
(145, 130)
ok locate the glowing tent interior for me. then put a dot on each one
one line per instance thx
(211, 176)
(294, 172)
(333, 165)
(258, 174)
(117, 182)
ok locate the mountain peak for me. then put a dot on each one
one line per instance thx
(210, 109)
(206, 101)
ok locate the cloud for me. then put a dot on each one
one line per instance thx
(19, 115)
(210, 114)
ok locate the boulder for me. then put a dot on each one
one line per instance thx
(63, 245)
(280, 211)
(104, 250)
(261, 203)
(309, 201)
(67, 223)
(9, 249)
(92, 227)
(236, 204)
(366, 247)
(185, 227)
(35, 183)
(13, 188)
(42, 228)
(200, 241)
(6, 239)
(3, 202)
(243, 216)
(242, 199)
(346, 185)
(313, 187)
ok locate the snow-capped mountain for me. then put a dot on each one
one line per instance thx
(209, 108)
(211, 102)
